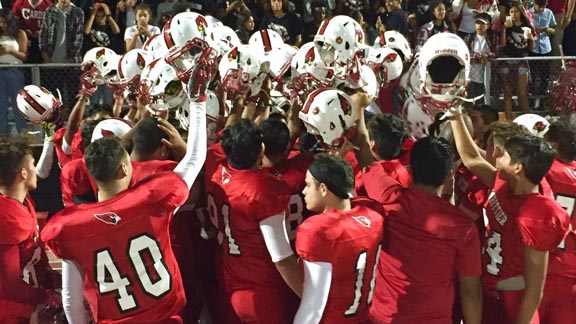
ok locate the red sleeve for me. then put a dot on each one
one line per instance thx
(76, 146)
(311, 241)
(167, 188)
(272, 199)
(12, 287)
(75, 181)
(468, 259)
(63, 158)
(15, 227)
(543, 233)
(383, 189)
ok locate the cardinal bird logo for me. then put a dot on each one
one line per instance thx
(539, 126)
(233, 55)
(100, 53)
(140, 61)
(109, 218)
(106, 132)
(345, 105)
(310, 56)
(359, 34)
(362, 220)
(202, 24)
(390, 58)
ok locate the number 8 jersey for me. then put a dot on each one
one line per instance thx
(123, 248)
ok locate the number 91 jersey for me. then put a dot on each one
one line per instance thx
(123, 248)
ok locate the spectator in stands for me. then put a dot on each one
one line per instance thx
(229, 11)
(345, 7)
(394, 17)
(440, 23)
(482, 46)
(13, 50)
(125, 16)
(517, 39)
(370, 32)
(245, 26)
(61, 40)
(465, 12)
(30, 14)
(568, 43)
(562, 10)
(100, 27)
(279, 19)
(136, 36)
(164, 7)
(545, 25)
(318, 8)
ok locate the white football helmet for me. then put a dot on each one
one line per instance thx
(215, 121)
(410, 81)
(308, 72)
(536, 124)
(396, 41)
(226, 38)
(98, 64)
(386, 64)
(130, 68)
(337, 40)
(38, 105)
(160, 87)
(280, 60)
(418, 117)
(444, 70)
(265, 40)
(329, 113)
(367, 81)
(111, 127)
(185, 27)
(242, 71)
(155, 45)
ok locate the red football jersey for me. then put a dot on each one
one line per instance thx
(123, 247)
(76, 147)
(514, 222)
(353, 237)
(30, 16)
(375, 171)
(293, 171)
(562, 179)
(75, 180)
(238, 200)
(426, 241)
(19, 226)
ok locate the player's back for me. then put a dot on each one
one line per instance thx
(384, 168)
(238, 200)
(123, 247)
(350, 241)
(562, 179)
(425, 242)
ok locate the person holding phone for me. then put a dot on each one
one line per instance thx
(136, 36)
(545, 25)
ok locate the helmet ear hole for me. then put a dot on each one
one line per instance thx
(444, 69)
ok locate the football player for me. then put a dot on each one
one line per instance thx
(337, 284)
(523, 225)
(117, 252)
(24, 267)
(427, 241)
(559, 291)
(247, 206)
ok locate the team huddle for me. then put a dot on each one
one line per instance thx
(266, 184)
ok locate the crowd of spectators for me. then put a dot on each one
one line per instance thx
(40, 31)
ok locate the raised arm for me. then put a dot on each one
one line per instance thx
(74, 121)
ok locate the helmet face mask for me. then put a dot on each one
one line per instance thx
(160, 87)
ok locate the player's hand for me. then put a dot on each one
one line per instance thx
(106, 9)
(48, 130)
(343, 149)
(361, 100)
(175, 142)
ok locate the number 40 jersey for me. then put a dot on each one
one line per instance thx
(123, 248)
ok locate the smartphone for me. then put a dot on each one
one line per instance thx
(509, 19)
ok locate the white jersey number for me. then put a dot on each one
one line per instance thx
(111, 281)
(360, 269)
(233, 248)
(295, 217)
(494, 250)
(566, 202)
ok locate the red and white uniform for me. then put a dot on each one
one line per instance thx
(559, 302)
(470, 195)
(238, 200)
(23, 261)
(375, 171)
(75, 147)
(514, 222)
(76, 181)
(123, 248)
(353, 237)
(426, 241)
(30, 16)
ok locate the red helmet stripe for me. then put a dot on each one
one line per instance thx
(120, 72)
(266, 40)
(32, 102)
(324, 25)
(310, 99)
(167, 36)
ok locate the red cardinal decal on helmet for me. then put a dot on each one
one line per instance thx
(310, 56)
(202, 24)
(100, 53)
(345, 105)
(390, 57)
(106, 132)
(233, 55)
(140, 61)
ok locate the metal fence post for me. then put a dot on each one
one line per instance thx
(35, 73)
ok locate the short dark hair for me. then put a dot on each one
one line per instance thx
(489, 113)
(12, 153)
(502, 130)
(431, 160)
(87, 131)
(534, 153)
(318, 4)
(335, 173)
(563, 133)
(145, 7)
(148, 136)
(275, 135)
(242, 144)
(389, 132)
(103, 158)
